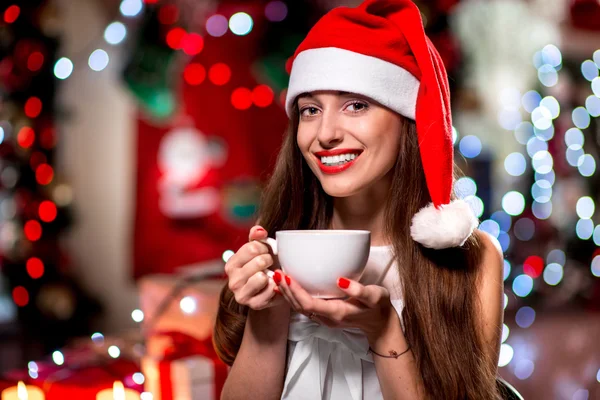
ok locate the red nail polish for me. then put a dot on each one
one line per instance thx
(277, 277)
(343, 283)
(288, 280)
(260, 230)
(276, 290)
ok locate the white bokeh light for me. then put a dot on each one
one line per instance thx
(585, 207)
(131, 8)
(513, 203)
(63, 68)
(241, 23)
(98, 60)
(553, 274)
(115, 33)
(188, 305)
(137, 315)
(506, 355)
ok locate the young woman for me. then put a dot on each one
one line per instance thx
(369, 146)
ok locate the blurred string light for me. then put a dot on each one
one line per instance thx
(522, 285)
(515, 164)
(525, 317)
(524, 368)
(589, 70)
(454, 135)
(58, 358)
(470, 146)
(188, 305)
(114, 351)
(241, 23)
(276, 11)
(505, 332)
(596, 235)
(227, 254)
(137, 315)
(131, 8)
(507, 269)
(584, 229)
(595, 267)
(217, 25)
(513, 203)
(553, 274)
(114, 34)
(506, 355)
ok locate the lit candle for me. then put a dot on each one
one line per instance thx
(118, 392)
(23, 392)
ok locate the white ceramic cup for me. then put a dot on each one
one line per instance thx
(316, 259)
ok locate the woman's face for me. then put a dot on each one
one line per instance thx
(349, 141)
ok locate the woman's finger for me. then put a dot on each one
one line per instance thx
(370, 295)
(255, 285)
(284, 286)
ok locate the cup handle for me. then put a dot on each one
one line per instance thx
(272, 243)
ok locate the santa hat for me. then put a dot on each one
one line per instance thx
(379, 49)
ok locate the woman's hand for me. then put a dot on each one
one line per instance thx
(247, 279)
(368, 308)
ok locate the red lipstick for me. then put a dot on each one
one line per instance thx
(328, 169)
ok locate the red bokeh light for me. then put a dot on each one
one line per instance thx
(44, 174)
(47, 211)
(47, 138)
(33, 107)
(533, 266)
(175, 37)
(194, 74)
(219, 74)
(168, 14)
(20, 296)
(35, 61)
(241, 98)
(36, 159)
(282, 96)
(33, 230)
(11, 14)
(262, 96)
(35, 267)
(26, 137)
(192, 44)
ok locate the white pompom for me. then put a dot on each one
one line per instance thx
(449, 226)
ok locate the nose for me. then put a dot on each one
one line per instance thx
(330, 132)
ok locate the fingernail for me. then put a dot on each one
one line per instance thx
(276, 290)
(343, 283)
(288, 280)
(260, 230)
(277, 277)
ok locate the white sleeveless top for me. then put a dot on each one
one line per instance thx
(333, 363)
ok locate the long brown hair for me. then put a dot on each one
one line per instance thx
(440, 307)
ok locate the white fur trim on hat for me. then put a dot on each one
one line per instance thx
(332, 68)
(448, 226)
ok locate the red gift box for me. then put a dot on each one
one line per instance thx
(188, 370)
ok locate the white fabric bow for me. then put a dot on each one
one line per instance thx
(315, 346)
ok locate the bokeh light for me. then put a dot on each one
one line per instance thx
(589, 70)
(525, 317)
(506, 355)
(523, 368)
(553, 274)
(595, 266)
(541, 210)
(586, 164)
(524, 229)
(522, 285)
(470, 146)
(533, 266)
(513, 203)
(217, 25)
(98, 60)
(491, 227)
(531, 100)
(503, 219)
(581, 117)
(585, 207)
(515, 164)
(547, 75)
(464, 187)
(115, 33)
(556, 256)
(276, 11)
(241, 23)
(584, 229)
(63, 68)
(574, 136)
(592, 105)
(131, 8)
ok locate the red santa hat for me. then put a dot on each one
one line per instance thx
(379, 49)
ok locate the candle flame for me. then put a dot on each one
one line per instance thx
(22, 391)
(118, 391)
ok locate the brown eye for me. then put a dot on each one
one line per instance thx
(358, 106)
(310, 110)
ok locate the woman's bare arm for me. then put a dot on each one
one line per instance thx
(258, 370)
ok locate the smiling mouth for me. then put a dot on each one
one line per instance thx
(333, 165)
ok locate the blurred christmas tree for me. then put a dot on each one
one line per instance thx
(35, 277)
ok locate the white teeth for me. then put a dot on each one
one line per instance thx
(339, 159)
